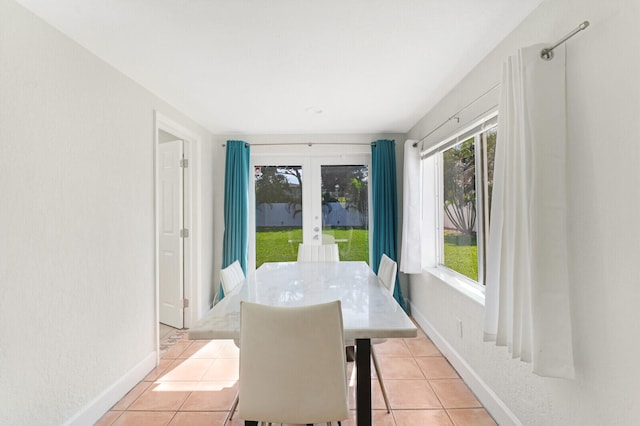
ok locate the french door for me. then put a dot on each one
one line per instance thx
(317, 198)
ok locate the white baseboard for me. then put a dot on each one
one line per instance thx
(492, 403)
(95, 409)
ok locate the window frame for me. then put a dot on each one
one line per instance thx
(477, 130)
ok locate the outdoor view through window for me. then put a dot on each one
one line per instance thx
(345, 210)
(343, 205)
(467, 183)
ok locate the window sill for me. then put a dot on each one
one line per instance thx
(468, 287)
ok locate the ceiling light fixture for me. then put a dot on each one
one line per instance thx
(314, 110)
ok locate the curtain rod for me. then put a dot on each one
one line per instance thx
(455, 115)
(307, 143)
(546, 54)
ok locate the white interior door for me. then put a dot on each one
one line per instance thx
(171, 284)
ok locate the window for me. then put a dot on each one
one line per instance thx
(309, 194)
(342, 195)
(463, 169)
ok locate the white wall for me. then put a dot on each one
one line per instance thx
(603, 102)
(77, 279)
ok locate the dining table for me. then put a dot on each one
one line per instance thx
(369, 310)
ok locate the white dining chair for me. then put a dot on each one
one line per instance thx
(231, 276)
(387, 271)
(292, 364)
(318, 253)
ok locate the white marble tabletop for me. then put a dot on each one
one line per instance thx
(368, 309)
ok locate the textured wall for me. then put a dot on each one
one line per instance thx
(77, 285)
(603, 102)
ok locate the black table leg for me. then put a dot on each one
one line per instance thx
(250, 423)
(363, 381)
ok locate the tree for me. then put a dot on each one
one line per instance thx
(273, 185)
(347, 184)
(459, 171)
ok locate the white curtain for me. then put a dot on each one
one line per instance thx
(527, 293)
(411, 250)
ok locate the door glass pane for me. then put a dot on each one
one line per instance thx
(278, 213)
(345, 212)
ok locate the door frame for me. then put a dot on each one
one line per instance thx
(191, 218)
(306, 155)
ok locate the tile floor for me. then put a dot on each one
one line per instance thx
(165, 331)
(196, 383)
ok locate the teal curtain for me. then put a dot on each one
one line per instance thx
(384, 201)
(235, 242)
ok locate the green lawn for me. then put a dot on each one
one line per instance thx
(462, 259)
(278, 245)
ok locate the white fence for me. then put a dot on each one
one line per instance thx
(290, 215)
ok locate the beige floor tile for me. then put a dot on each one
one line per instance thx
(158, 371)
(422, 346)
(211, 396)
(197, 350)
(222, 369)
(436, 367)
(108, 418)
(198, 418)
(411, 395)
(377, 400)
(177, 349)
(139, 418)
(186, 370)
(422, 418)
(378, 418)
(159, 398)
(454, 393)
(471, 417)
(225, 349)
(399, 368)
(196, 381)
(165, 331)
(130, 397)
(392, 347)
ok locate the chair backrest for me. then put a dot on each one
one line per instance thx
(318, 253)
(231, 276)
(387, 272)
(292, 364)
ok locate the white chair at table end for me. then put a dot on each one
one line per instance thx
(387, 271)
(318, 253)
(230, 278)
(276, 343)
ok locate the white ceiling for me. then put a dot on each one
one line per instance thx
(266, 66)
